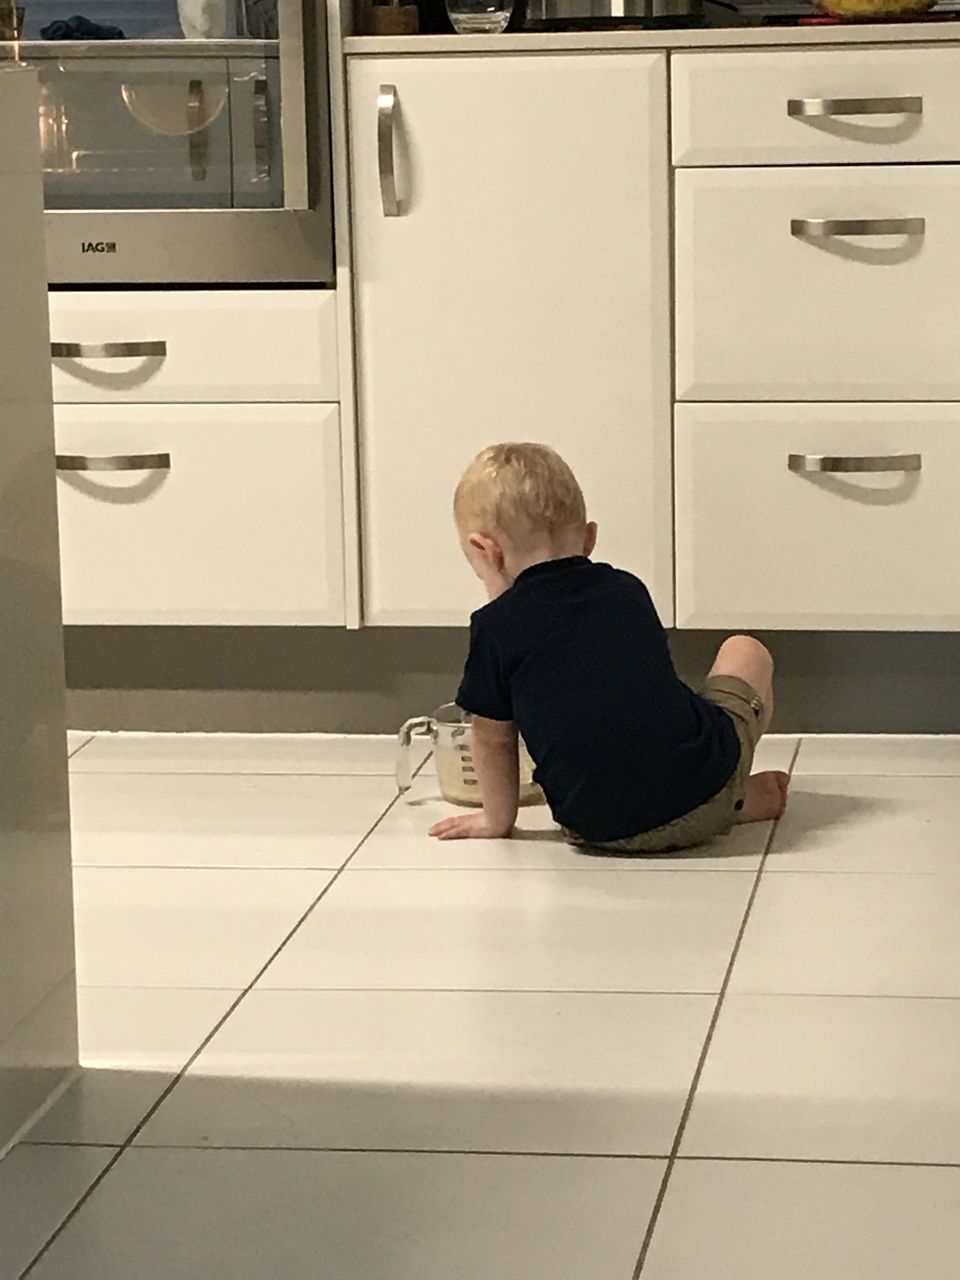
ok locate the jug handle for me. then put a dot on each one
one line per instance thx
(420, 724)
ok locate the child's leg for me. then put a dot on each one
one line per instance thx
(747, 659)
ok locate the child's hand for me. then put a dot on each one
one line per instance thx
(469, 826)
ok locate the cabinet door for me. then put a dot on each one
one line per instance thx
(521, 294)
(762, 542)
(228, 514)
(818, 284)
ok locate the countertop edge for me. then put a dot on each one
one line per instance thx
(887, 33)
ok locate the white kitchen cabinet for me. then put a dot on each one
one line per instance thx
(522, 293)
(816, 106)
(762, 545)
(818, 283)
(194, 345)
(225, 514)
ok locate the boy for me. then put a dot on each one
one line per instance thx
(572, 655)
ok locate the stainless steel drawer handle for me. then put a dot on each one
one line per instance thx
(120, 462)
(386, 115)
(805, 108)
(198, 143)
(262, 138)
(819, 464)
(828, 228)
(105, 350)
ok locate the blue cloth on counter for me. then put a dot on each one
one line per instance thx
(80, 28)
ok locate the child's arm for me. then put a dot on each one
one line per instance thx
(496, 759)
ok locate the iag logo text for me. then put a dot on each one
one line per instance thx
(98, 246)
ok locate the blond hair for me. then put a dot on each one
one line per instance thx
(521, 490)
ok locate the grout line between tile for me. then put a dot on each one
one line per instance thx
(850, 1162)
(492, 991)
(513, 1152)
(201, 866)
(36, 1116)
(818, 737)
(253, 871)
(140, 986)
(589, 871)
(222, 773)
(549, 991)
(593, 870)
(331, 736)
(830, 995)
(776, 868)
(805, 1160)
(132, 1136)
(834, 774)
(433, 991)
(410, 1151)
(708, 1039)
(423, 764)
(60, 1142)
(198, 866)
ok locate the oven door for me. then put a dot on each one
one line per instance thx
(188, 160)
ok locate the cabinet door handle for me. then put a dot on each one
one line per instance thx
(386, 115)
(816, 464)
(827, 228)
(198, 144)
(262, 140)
(121, 462)
(801, 108)
(105, 350)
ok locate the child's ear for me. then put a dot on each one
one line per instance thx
(590, 538)
(489, 548)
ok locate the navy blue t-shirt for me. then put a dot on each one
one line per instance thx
(575, 655)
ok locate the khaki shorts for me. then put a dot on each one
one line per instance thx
(714, 818)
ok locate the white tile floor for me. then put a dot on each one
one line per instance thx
(320, 1045)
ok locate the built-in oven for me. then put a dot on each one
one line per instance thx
(183, 141)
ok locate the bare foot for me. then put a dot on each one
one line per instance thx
(766, 797)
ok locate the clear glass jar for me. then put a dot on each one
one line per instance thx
(479, 17)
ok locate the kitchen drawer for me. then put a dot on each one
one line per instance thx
(760, 545)
(244, 528)
(765, 310)
(766, 108)
(215, 346)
